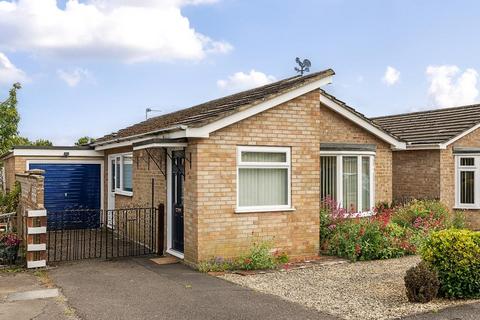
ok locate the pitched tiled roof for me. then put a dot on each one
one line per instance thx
(431, 127)
(211, 111)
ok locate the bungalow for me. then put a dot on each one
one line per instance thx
(442, 157)
(250, 166)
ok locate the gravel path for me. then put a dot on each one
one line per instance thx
(363, 290)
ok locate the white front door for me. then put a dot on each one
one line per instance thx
(111, 191)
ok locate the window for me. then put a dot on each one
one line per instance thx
(348, 179)
(466, 184)
(263, 179)
(122, 174)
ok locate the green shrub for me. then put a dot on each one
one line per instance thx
(281, 258)
(455, 255)
(258, 258)
(368, 239)
(423, 214)
(217, 264)
(421, 283)
(9, 201)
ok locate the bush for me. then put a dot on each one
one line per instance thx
(9, 245)
(9, 201)
(258, 258)
(455, 255)
(421, 283)
(392, 232)
(423, 214)
(217, 264)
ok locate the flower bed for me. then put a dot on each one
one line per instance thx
(9, 244)
(259, 257)
(389, 233)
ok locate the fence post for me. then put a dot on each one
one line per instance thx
(161, 229)
(36, 238)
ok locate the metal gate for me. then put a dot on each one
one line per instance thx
(86, 233)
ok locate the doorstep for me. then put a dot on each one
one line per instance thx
(167, 259)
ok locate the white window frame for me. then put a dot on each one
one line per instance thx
(118, 159)
(359, 154)
(267, 165)
(476, 171)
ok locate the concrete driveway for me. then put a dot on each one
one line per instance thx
(140, 289)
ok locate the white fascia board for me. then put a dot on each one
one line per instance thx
(361, 122)
(56, 153)
(461, 135)
(204, 132)
(129, 140)
(433, 146)
(162, 145)
(120, 144)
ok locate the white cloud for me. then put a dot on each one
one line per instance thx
(391, 76)
(9, 73)
(73, 77)
(449, 87)
(242, 81)
(129, 30)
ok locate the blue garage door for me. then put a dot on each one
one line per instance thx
(72, 188)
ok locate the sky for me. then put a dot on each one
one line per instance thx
(92, 67)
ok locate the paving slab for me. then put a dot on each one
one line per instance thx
(23, 297)
(140, 289)
(33, 295)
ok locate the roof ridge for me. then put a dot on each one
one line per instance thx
(426, 111)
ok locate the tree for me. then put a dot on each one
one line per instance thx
(9, 119)
(84, 140)
(42, 143)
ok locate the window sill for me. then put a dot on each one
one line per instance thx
(259, 210)
(124, 193)
(465, 208)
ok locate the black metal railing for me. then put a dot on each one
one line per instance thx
(86, 233)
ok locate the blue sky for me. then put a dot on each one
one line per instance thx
(92, 67)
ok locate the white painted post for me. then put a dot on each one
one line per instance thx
(36, 238)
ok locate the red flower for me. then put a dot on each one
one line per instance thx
(358, 249)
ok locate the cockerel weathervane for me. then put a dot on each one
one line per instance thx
(304, 65)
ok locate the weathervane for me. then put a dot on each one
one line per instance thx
(304, 65)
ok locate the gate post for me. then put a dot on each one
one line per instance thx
(36, 238)
(161, 229)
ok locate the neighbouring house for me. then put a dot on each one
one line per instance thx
(442, 158)
(248, 167)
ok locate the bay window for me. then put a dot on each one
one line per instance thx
(466, 182)
(348, 179)
(263, 179)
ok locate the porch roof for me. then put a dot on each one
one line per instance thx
(160, 143)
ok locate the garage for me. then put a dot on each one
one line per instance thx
(73, 182)
(70, 187)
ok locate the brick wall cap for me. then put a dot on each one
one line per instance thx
(37, 172)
